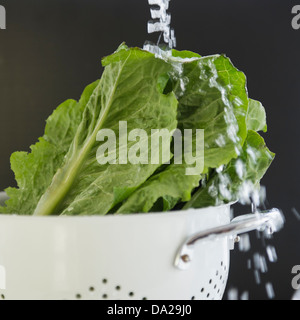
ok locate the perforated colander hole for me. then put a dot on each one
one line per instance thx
(78, 296)
(118, 288)
(193, 298)
(144, 298)
(91, 289)
(2, 297)
(131, 294)
(202, 290)
(104, 296)
(104, 281)
(210, 281)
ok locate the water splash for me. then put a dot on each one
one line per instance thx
(247, 193)
(161, 22)
(220, 141)
(240, 168)
(259, 264)
(233, 295)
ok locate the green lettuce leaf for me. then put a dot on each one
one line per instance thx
(34, 171)
(212, 96)
(128, 91)
(182, 90)
(171, 186)
(256, 117)
(238, 178)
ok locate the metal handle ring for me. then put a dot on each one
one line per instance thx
(269, 221)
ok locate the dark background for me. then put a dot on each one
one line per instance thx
(52, 49)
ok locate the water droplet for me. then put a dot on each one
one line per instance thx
(270, 290)
(260, 263)
(257, 277)
(272, 255)
(245, 296)
(240, 168)
(296, 296)
(263, 265)
(244, 244)
(220, 141)
(233, 294)
(296, 213)
(249, 264)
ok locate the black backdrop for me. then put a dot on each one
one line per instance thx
(52, 49)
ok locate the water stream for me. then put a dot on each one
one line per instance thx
(161, 23)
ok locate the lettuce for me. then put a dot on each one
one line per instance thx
(238, 179)
(180, 90)
(212, 96)
(61, 175)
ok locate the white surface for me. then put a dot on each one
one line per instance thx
(70, 257)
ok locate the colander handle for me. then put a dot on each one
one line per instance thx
(269, 221)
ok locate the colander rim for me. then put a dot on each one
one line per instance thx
(130, 215)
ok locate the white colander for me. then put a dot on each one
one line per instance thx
(171, 256)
